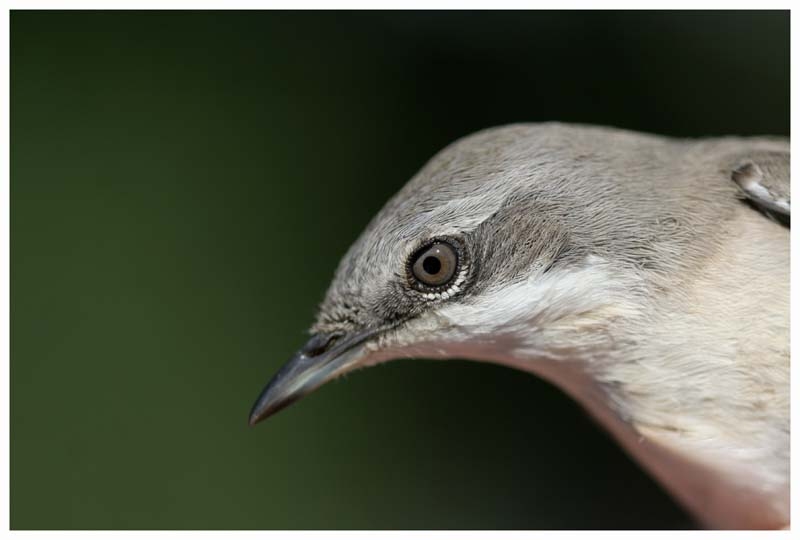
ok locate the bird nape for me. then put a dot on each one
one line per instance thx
(648, 277)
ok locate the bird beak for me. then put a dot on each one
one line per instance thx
(321, 359)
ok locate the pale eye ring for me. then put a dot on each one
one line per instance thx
(435, 265)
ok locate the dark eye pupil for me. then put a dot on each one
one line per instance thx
(431, 265)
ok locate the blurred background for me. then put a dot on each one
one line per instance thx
(183, 186)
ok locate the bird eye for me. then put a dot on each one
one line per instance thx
(435, 265)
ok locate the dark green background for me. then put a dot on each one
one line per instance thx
(183, 185)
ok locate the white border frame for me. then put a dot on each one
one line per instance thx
(324, 4)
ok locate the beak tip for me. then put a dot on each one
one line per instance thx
(259, 412)
(269, 403)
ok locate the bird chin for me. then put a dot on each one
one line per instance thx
(481, 351)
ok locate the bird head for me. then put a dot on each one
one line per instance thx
(514, 245)
(623, 267)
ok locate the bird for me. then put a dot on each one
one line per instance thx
(646, 276)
